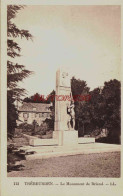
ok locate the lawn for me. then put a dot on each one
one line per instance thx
(88, 165)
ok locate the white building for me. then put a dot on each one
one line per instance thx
(29, 112)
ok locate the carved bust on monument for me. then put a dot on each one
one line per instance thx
(64, 79)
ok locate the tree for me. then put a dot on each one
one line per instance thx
(15, 71)
(79, 87)
(51, 99)
(39, 98)
(112, 116)
(97, 109)
(36, 98)
(11, 115)
(103, 111)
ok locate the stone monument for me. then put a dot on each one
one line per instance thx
(64, 133)
(64, 111)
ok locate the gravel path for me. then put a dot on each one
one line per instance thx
(90, 165)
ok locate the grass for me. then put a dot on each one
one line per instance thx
(88, 165)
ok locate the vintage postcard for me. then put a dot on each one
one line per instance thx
(61, 98)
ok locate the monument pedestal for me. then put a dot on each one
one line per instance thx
(66, 138)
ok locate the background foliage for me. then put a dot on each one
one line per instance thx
(15, 71)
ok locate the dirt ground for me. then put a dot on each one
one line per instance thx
(88, 165)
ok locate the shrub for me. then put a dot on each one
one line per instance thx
(42, 129)
(25, 126)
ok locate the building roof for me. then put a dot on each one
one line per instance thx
(34, 107)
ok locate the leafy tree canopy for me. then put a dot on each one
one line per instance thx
(15, 71)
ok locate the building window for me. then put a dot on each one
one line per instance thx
(32, 115)
(37, 115)
(25, 115)
(48, 114)
(45, 115)
(40, 115)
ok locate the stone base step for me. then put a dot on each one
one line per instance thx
(57, 151)
(84, 140)
(43, 142)
(67, 138)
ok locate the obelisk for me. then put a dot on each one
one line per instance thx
(62, 101)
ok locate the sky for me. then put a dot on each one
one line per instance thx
(86, 40)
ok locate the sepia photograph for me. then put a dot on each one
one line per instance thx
(62, 96)
(64, 91)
